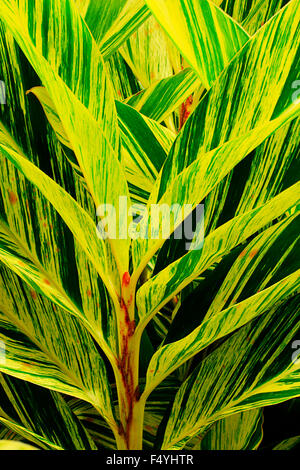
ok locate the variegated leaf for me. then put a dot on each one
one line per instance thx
(206, 37)
(242, 431)
(123, 18)
(86, 107)
(15, 445)
(160, 99)
(251, 369)
(230, 140)
(41, 345)
(40, 416)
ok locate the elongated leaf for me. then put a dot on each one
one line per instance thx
(168, 358)
(253, 118)
(242, 431)
(122, 79)
(247, 269)
(31, 224)
(158, 290)
(272, 167)
(206, 37)
(162, 98)
(142, 152)
(23, 263)
(15, 445)
(121, 25)
(144, 142)
(75, 217)
(85, 107)
(100, 16)
(147, 52)
(271, 255)
(48, 348)
(253, 368)
(273, 172)
(254, 14)
(249, 110)
(40, 416)
(288, 444)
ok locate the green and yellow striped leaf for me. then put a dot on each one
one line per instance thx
(40, 416)
(15, 445)
(18, 258)
(171, 356)
(272, 167)
(242, 431)
(85, 106)
(122, 19)
(251, 369)
(148, 54)
(44, 346)
(253, 119)
(244, 271)
(160, 289)
(205, 35)
(163, 97)
(37, 232)
(122, 79)
(254, 14)
(145, 143)
(77, 363)
(288, 444)
(79, 222)
(100, 16)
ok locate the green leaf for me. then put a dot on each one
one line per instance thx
(254, 14)
(269, 169)
(205, 35)
(171, 356)
(83, 97)
(161, 288)
(242, 431)
(123, 19)
(215, 144)
(145, 143)
(46, 347)
(273, 163)
(100, 16)
(253, 368)
(33, 235)
(272, 167)
(288, 444)
(247, 269)
(15, 445)
(40, 416)
(123, 81)
(160, 99)
(18, 258)
(144, 146)
(79, 222)
(149, 54)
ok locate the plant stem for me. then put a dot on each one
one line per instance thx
(131, 408)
